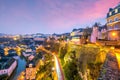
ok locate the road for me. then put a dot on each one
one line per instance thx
(58, 68)
(57, 64)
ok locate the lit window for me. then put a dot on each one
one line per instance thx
(30, 65)
(116, 10)
(110, 13)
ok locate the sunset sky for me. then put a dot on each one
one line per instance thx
(51, 16)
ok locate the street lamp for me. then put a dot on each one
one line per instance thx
(53, 68)
(113, 34)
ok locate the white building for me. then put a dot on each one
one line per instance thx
(94, 34)
(7, 66)
(76, 35)
(98, 33)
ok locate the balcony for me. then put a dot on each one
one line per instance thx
(113, 22)
(113, 29)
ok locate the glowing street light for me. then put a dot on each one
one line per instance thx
(53, 68)
(112, 48)
(113, 34)
(14, 38)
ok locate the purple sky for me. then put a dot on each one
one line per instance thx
(51, 16)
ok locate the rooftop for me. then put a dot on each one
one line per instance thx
(112, 10)
(5, 63)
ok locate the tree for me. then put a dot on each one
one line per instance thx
(70, 70)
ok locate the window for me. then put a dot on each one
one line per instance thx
(116, 10)
(30, 65)
(110, 13)
(110, 21)
(111, 27)
(116, 26)
(116, 19)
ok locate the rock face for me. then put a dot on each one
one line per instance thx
(110, 70)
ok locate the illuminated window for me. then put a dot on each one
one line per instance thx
(30, 65)
(110, 13)
(116, 10)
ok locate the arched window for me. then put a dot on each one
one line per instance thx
(110, 21)
(116, 19)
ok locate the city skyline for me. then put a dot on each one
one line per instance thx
(56, 16)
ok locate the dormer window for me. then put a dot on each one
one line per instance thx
(116, 10)
(30, 65)
(110, 13)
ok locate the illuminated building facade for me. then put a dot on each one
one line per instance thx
(76, 35)
(94, 34)
(113, 23)
(98, 32)
(7, 66)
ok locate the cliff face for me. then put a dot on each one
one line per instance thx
(84, 62)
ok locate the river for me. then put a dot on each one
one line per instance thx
(21, 67)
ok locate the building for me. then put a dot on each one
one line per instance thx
(27, 53)
(99, 32)
(76, 35)
(30, 71)
(7, 66)
(87, 34)
(94, 35)
(102, 32)
(113, 23)
(1, 51)
(32, 66)
(12, 53)
(55, 36)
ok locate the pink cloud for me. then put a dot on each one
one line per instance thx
(77, 12)
(99, 9)
(59, 15)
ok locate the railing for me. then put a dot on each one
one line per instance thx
(113, 29)
(113, 22)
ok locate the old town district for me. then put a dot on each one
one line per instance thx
(21, 56)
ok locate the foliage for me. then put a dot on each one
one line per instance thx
(82, 58)
(70, 70)
(46, 69)
(62, 51)
(90, 58)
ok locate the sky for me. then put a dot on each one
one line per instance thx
(51, 16)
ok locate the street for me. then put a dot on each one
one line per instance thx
(58, 69)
